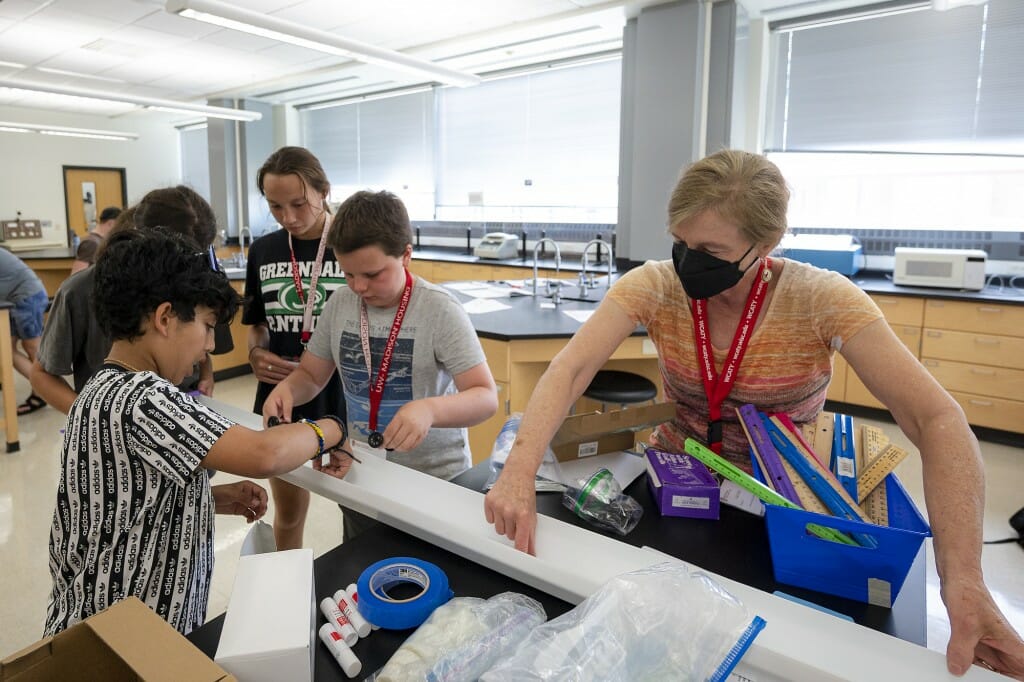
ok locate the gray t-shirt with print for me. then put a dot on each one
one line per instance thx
(436, 342)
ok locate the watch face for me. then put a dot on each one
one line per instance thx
(375, 440)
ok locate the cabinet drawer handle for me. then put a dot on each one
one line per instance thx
(986, 342)
(989, 309)
(980, 403)
(930, 363)
(934, 335)
(984, 372)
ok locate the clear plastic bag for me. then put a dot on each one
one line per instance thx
(549, 476)
(464, 638)
(664, 622)
(599, 500)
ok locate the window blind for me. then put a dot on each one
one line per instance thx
(920, 80)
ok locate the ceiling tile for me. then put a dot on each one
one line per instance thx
(82, 60)
(19, 9)
(118, 11)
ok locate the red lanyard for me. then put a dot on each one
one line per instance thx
(308, 301)
(377, 386)
(716, 386)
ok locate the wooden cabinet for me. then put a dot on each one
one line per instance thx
(446, 271)
(422, 268)
(51, 272)
(976, 351)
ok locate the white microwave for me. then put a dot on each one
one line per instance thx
(948, 268)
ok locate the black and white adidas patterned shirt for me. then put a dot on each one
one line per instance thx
(134, 512)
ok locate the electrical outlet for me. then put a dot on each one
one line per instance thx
(1009, 268)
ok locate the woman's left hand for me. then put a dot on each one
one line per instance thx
(244, 498)
(979, 633)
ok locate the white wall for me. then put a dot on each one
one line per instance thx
(31, 165)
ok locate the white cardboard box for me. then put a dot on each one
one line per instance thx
(269, 630)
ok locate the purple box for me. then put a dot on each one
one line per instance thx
(681, 485)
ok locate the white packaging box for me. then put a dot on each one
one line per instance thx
(269, 630)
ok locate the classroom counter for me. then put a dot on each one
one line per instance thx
(735, 546)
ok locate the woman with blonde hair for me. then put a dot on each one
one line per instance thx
(733, 325)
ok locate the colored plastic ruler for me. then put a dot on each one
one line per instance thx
(819, 479)
(808, 500)
(844, 462)
(879, 468)
(768, 457)
(760, 490)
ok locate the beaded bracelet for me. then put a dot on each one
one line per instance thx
(341, 426)
(319, 435)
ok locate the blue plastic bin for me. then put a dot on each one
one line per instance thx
(861, 573)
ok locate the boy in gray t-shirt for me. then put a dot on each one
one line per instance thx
(436, 380)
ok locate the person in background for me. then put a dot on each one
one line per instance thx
(414, 372)
(136, 517)
(290, 275)
(85, 255)
(73, 342)
(21, 287)
(727, 214)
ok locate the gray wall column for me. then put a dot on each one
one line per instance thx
(222, 139)
(662, 113)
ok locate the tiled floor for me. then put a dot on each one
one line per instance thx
(28, 482)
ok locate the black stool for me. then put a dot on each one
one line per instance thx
(622, 388)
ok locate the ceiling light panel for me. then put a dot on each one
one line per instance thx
(236, 18)
(210, 111)
(44, 100)
(67, 132)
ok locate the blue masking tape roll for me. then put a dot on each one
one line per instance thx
(401, 614)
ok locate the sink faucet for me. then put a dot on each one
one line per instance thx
(243, 253)
(611, 259)
(558, 268)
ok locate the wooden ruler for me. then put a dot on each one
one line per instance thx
(808, 500)
(818, 434)
(878, 469)
(876, 504)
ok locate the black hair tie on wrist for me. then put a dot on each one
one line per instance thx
(341, 426)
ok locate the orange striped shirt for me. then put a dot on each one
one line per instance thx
(788, 363)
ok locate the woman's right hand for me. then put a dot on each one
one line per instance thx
(511, 505)
(269, 367)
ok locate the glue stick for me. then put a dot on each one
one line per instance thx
(352, 592)
(335, 643)
(348, 607)
(336, 619)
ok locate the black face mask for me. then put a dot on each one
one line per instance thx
(703, 275)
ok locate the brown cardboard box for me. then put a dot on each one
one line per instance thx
(125, 642)
(593, 433)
